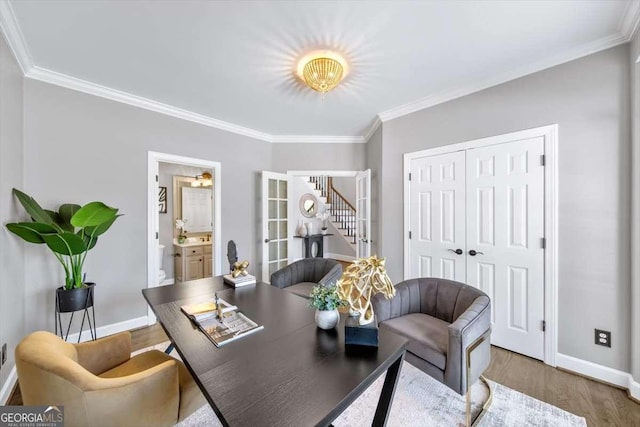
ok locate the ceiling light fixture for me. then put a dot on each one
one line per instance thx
(322, 71)
(203, 180)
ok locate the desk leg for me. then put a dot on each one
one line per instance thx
(388, 390)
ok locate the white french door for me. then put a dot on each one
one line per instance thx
(437, 216)
(275, 223)
(363, 214)
(488, 202)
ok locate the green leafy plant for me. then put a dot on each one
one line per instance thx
(70, 233)
(325, 298)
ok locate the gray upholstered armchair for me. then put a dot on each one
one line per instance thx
(448, 324)
(299, 277)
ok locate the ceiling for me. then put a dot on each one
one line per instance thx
(230, 64)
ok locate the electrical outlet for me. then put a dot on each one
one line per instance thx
(4, 353)
(603, 338)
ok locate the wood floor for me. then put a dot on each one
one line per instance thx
(600, 404)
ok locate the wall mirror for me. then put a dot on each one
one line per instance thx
(308, 205)
(192, 204)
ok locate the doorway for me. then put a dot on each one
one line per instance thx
(482, 213)
(210, 262)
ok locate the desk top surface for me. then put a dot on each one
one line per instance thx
(290, 373)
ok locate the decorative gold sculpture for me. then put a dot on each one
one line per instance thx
(239, 268)
(360, 281)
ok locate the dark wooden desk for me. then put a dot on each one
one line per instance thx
(289, 374)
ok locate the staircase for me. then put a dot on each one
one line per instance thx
(343, 214)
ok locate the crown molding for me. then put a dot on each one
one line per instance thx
(317, 139)
(630, 20)
(372, 129)
(439, 98)
(13, 35)
(59, 79)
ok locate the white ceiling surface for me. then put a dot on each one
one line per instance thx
(233, 61)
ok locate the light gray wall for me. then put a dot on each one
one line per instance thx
(80, 148)
(635, 199)
(166, 224)
(589, 99)
(374, 162)
(318, 157)
(12, 295)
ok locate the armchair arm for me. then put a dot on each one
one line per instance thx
(150, 397)
(473, 324)
(332, 276)
(103, 354)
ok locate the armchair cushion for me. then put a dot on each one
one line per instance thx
(429, 336)
(301, 289)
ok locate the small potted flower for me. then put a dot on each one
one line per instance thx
(180, 226)
(326, 301)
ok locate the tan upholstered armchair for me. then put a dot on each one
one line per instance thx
(100, 384)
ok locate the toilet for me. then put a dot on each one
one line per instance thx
(161, 274)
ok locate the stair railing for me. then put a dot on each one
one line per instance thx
(340, 208)
(343, 212)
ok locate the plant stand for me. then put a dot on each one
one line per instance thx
(72, 301)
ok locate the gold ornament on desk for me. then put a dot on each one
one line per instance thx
(239, 268)
(360, 281)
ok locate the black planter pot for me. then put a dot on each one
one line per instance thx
(70, 300)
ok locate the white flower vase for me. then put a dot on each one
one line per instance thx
(309, 228)
(301, 230)
(327, 319)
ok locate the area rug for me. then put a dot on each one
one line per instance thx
(421, 401)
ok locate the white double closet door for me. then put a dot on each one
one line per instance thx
(477, 216)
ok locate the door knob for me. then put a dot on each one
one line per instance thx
(474, 253)
(267, 240)
(457, 251)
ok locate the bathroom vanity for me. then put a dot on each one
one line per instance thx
(192, 260)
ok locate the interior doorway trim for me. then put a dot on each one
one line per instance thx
(550, 135)
(154, 158)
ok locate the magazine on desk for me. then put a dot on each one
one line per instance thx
(232, 326)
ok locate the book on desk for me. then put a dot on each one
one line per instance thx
(239, 281)
(232, 326)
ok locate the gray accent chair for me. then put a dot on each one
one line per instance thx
(446, 323)
(299, 277)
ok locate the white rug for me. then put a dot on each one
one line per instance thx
(421, 401)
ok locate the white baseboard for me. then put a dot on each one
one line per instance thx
(167, 282)
(600, 373)
(7, 387)
(111, 329)
(634, 388)
(340, 257)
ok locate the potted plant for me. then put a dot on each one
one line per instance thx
(326, 301)
(180, 223)
(70, 234)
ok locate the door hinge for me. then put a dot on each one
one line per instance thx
(543, 242)
(409, 176)
(544, 325)
(156, 235)
(156, 178)
(542, 160)
(409, 235)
